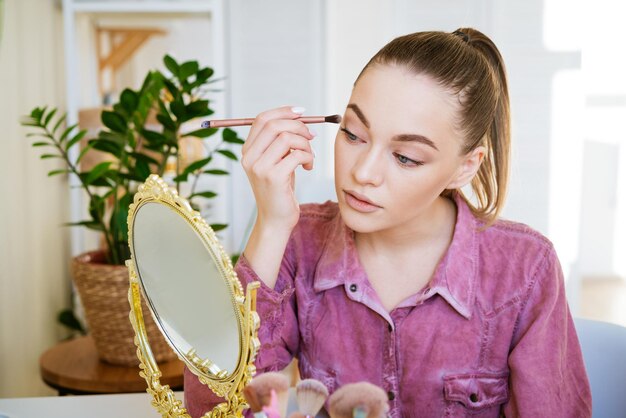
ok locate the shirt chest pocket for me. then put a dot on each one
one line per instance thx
(475, 393)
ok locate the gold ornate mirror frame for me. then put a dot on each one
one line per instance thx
(155, 190)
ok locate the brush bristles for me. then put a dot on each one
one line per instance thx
(262, 386)
(310, 395)
(297, 415)
(252, 398)
(368, 397)
(332, 119)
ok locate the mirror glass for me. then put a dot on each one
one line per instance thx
(184, 287)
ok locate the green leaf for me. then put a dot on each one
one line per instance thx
(75, 139)
(114, 121)
(178, 108)
(129, 99)
(202, 133)
(181, 178)
(67, 318)
(107, 146)
(171, 87)
(36, 113)
(59, 122)
(230, 136)
(49, 117)
(42, 144)
(203, 75)
(198, 108)
(55, 172)
(97, 172)
(67, 132)
(207, 194)
(146, 158)
(234, 258)
(142, 169)
(218, 227)
(153, 137)
(196, 165)
(217, 172)
(188, 69)
(166, 121)
(83, 152)
(228, 154)
(89, 224)
(171, 65)
(47, 156)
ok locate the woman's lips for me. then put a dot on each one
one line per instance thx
(359, 202)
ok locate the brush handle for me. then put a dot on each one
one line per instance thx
(225, 123)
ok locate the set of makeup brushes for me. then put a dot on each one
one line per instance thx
(267, 394)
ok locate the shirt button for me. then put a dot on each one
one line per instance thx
(474, 397)
(391, 395)
(353, 288)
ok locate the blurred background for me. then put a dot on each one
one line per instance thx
(566, 63)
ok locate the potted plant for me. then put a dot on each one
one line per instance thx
(141, 135)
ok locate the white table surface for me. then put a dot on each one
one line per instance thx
(133, 405)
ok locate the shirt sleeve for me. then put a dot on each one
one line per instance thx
(278, 332)
(548, 376)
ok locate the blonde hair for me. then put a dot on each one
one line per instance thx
(469, 64)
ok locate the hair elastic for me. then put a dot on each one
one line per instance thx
(461, 35)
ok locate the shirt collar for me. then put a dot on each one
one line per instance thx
(455, 276)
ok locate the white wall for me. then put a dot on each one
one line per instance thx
(34, 256)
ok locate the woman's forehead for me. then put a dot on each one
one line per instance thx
(392, 95)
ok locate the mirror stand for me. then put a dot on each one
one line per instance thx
(164, 399)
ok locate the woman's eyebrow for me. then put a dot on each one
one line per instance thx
(415, 138)
(400, 138)
(359, 113)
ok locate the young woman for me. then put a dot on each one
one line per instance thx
(407, 282)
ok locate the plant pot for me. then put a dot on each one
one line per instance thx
(103, 291)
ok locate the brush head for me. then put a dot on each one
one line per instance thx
(262, 386)
(310, 396)
(252, 398)
(297, 415)
(333, 119)
(369, 398)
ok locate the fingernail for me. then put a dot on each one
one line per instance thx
(312, 132)
(298, 109)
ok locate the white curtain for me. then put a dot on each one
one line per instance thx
(34, 252)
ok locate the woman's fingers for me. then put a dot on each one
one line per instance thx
(269, 134)
(295, 158)
(284, 144)
(284, 112)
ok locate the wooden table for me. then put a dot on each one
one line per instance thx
(73, 367)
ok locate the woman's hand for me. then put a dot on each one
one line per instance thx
(277, 144)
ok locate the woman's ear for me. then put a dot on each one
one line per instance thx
(470, 163)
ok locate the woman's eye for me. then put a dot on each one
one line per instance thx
(405, 161)
(352, 137)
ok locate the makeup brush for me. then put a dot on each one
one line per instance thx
(297, 415)
(310, 396)
(362, 400)
(252, 398)
(258, 393)
(224, 123)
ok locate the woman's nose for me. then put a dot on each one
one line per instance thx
(369, 169)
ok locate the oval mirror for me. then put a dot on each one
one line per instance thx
(191, 289)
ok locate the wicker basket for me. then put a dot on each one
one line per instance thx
(103, 290)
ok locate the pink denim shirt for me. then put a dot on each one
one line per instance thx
(490, 335)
